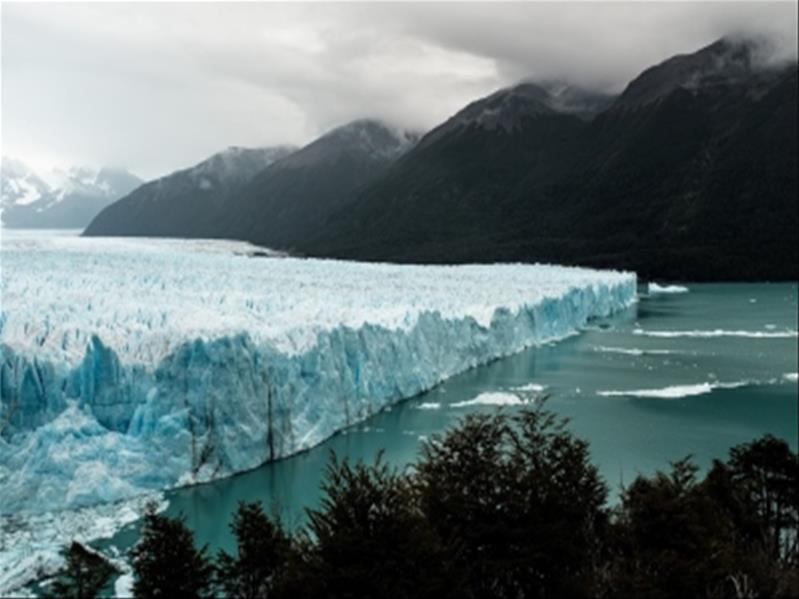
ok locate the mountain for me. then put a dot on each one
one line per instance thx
(510, 110)
(726, 63)
(59, 198)
(280, 199)
(691, 173)
(187, 203)
(447, 189)
(580, 101)
(291, 200)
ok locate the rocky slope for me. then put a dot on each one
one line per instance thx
(187, 203)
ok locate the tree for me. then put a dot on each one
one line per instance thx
(263, 551)
(370, 539)
(757, 490)
(84, 575)
(559, 497)
(766, 474)
(732, 534)
(166, 562)
(671, 538)
(516, 502)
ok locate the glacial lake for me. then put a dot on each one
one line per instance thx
(679, 373)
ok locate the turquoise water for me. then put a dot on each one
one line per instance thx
(720, 358)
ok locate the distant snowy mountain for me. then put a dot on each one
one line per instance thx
(189, 202)
(21, 186)
(58, 198)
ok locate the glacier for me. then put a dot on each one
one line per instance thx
(30, 546)
(129, 366)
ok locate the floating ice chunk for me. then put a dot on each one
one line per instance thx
(675, 391)
(491, 398)
(530, 387)
(429, 405)
(619, 350)
(632, 351)
(787, 334)
(791, 376)
(654, 288)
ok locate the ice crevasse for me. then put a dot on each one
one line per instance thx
(128, 365)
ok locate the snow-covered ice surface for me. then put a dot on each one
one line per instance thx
(30, 544)
(133, 365)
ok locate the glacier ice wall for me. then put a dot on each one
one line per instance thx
(130, 365)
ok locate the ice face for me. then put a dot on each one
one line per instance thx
(131, 365)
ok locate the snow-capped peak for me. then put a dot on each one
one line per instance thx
(29, 196)
(20, 185)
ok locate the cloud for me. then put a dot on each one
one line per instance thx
(155, 87)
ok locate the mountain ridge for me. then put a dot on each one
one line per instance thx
(294, 197)
(186, 202)
(645, 187)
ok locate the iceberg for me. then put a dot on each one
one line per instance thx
(130, 366)
(654, 288)
(490, 398)
(429, 405)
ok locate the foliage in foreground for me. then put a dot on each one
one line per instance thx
(85, 574)
(165, 561)
(505, 506)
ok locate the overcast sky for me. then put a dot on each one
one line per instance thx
(156, 87)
